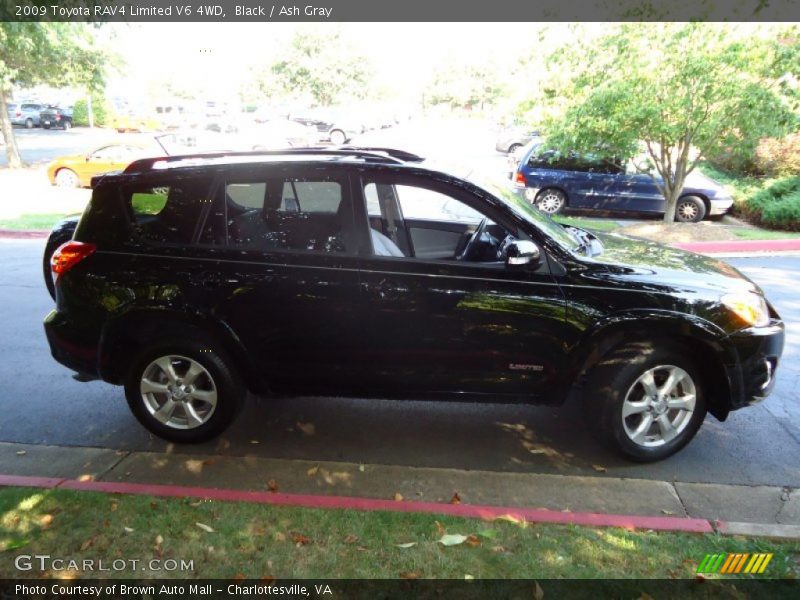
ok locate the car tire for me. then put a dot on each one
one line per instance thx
(631, 407)
(67, 178)
(67, 125)
(196, 402)
(29, 123)
(513, 148)
(46, 126)
(338, 137)
(690, 209)
(551, 201)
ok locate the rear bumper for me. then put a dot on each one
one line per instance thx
(73, 346)
(756, 352)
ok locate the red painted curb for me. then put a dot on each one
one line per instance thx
(25, 481)
(537, 515)
(23, 234)
(784, 245)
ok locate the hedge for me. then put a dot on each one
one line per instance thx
(777, 206)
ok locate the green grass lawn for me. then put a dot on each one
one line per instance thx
(228, 540)
(588, 223)
(27, 222)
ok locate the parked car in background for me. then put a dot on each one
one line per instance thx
(25, 114)
(334, 125)
(513, 138)
(77, 170)
(555, 182)
(56, 116)
(192, 280)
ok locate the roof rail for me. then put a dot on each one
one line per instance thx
(378, 154)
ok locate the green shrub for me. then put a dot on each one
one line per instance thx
(80, 112)
(777, 206)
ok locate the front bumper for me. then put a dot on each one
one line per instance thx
(755, 353)
(719, 206)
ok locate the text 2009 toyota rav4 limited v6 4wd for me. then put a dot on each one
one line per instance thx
(190, 280)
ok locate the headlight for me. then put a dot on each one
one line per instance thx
(750, 308)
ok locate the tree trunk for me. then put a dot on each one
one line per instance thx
(12, 152)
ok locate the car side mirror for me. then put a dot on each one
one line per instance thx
(522, 253)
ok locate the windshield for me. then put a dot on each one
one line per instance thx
(499, 188)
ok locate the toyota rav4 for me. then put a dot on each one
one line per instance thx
(192, 279)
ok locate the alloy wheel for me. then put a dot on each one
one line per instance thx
(550, 202)
(178, 392)
(687, 211)
(658, 406)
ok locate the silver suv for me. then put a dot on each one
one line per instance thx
(26, 114)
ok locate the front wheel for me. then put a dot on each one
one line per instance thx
(67, 125)
(184, 392)
(67, 178)
(645, 400)
(690, 209)
(338, 137)
(513, 148)
(28, 123)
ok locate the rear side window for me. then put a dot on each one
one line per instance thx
(168, 213)
(286, 214)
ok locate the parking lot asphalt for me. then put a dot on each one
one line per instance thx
(42, 404)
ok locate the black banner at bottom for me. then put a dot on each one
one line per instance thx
(376, 589)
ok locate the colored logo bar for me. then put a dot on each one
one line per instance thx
(726, 564)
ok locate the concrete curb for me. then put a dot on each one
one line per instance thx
(741, 247)
(24, 234)
(532, 515)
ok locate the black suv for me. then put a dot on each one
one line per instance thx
(192, 279)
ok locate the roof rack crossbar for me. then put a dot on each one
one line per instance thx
(378, 154)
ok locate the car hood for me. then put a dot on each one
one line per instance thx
(658, 265)
(69, 159)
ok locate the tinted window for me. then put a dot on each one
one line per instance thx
(167, 213)
(292, 214)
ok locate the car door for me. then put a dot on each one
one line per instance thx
(626, 189)
(435, 323)
(285, 276)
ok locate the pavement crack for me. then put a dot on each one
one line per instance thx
(678, 495)
(124, 454)
(786, 494)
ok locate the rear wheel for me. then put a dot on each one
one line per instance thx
(551, 201)
(67, 178)
(513, 148)
(185, 392)
(29, 123)
(690, 209)
(645, 400)
(67, 125)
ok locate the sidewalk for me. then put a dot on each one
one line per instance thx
(734, 509)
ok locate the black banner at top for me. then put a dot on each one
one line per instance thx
(254, 11)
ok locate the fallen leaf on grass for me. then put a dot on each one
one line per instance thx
(410, 575)
(440, 530)
(473, 541)
(498, 549)
(361, 468)
(279, 537)
(667, 512)
(45, 520)
(272, 486)
(599, 468)
(398, 497)
(128, 529)
(114, 505)
(312, 471)
(306, 428)
(205, 527)
(350, 539)
(452, 539)
(456, 499)
(469, 577)
(21, 453)
(87, 544)
(538, 592)
(300, 540)
(406, 545)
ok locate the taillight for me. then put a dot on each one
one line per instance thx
(19, 114)
(520, 178)
(70, 254)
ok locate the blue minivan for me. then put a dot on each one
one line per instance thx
(554, 182)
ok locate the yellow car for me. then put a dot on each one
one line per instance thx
(77, 170)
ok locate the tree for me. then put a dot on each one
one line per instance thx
(473, 86)
(325, 69)
(59, 54)
(675, 92)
